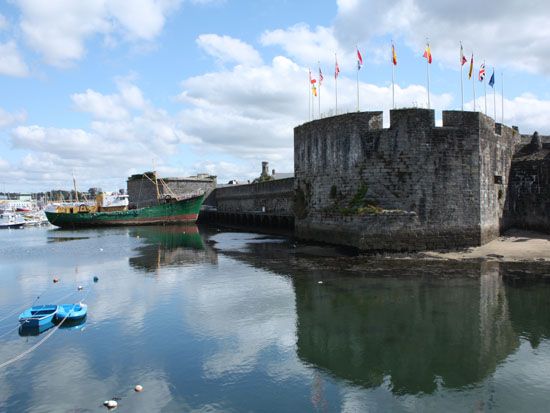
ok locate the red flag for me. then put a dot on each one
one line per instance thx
(336, 69)
(463, 59)
(359, 60)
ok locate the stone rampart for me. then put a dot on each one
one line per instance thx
(528, 204)
(409, 187)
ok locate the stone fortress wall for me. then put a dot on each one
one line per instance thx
(412, 186)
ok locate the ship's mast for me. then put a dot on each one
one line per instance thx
(156, 182)
(75, 191)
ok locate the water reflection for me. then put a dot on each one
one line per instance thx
(419, 333)
(172, 245)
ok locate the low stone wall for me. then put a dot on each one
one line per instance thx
(271, 197)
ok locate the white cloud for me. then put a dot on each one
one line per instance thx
(304, 45)
(508, 33)
(11, 61)
(7, 119)
(58, 29)
(125, 134)
(99, 105)
(228, 50)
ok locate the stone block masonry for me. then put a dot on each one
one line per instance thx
(412, 186)
(142, 191)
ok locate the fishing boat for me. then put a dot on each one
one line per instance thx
(39, 315)
(71, 312)
(167, 209)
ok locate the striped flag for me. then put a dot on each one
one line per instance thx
(481, 76)
(321, 78)
(428, 53)
(393, 55)
(471, 71)
(463, 59)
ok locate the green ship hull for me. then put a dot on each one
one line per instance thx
(183, 211)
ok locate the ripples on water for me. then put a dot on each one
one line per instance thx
(232, 322)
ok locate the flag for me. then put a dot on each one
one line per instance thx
(314, 90)
(312, 81)
(393, 55)
(463, 59)
(336, 69)
(428, 53)
(359, 60)
(492, 79)
(471, 67)
(481, 72)
(321, 78)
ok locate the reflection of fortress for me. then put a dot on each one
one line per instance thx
(414, 331)
(170, 245)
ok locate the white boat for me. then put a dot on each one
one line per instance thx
(10, 220)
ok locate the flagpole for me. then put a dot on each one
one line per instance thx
(393, 84)
(474, 89)
(309, 97)
(462, 75)
(358, 84)
(485, 87)
(319, 65)
(335, 84)
(502, 94)
(428, 78)
(494, 99)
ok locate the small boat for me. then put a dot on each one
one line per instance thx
(71, 312)
(37, 316)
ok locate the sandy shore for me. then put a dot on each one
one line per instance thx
(514, 245)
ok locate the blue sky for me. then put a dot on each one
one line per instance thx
(105, 88)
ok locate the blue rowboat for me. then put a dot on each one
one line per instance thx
(71, 312)
(39, 315)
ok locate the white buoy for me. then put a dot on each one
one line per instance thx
(80, 287)
(101, 249)
(138, 388)
(110, 404)
(319, 282)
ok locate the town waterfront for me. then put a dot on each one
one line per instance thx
(210, 320)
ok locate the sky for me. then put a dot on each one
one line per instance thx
(103, 89)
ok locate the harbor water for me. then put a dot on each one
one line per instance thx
(211, 320)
